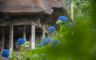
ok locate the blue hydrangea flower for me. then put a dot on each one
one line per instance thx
(55, 42)
(63, 18)
(51, 29)
(40, 45)
(45, 41)
(71, 24)
(5, 53)
(20, 41)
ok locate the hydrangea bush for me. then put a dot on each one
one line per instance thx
(48, 44)
(72, 41)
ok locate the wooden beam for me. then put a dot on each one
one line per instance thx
(32, 36)
(24, 33)
(22, 23)
(11, 39)
(3, 38)
(44, 31)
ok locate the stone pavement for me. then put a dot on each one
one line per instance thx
(2, 58)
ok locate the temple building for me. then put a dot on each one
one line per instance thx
(28, 19)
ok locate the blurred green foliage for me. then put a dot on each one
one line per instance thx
(82, 8)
